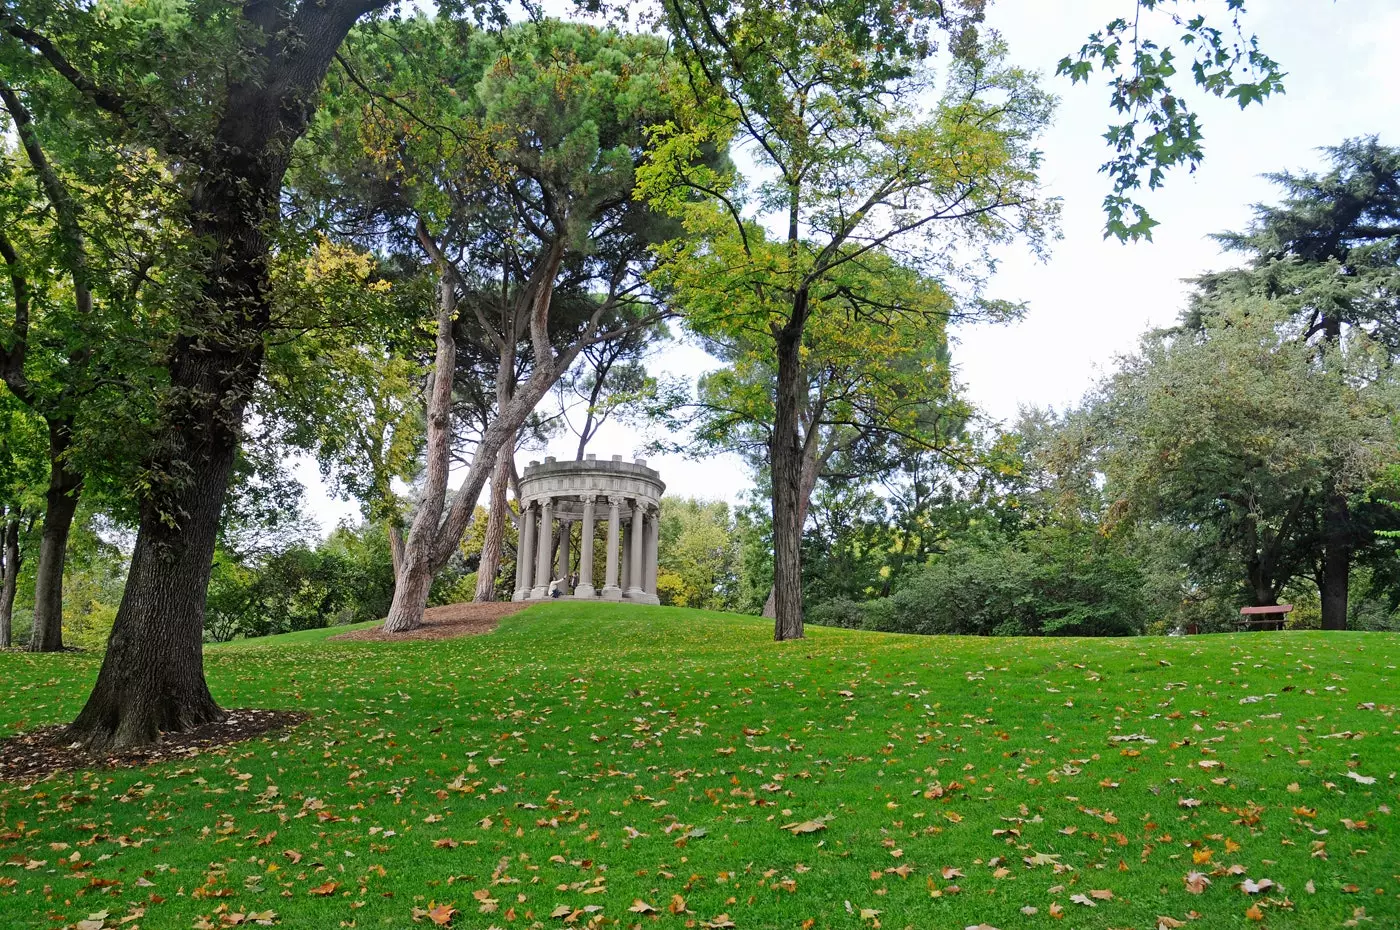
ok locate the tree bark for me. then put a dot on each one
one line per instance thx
(812, 464)
(494, 542)
(9, 577)
(61, 503)
(441, 524)
(1336, 561)
(152, 677)
(786, 463)
(415, 576)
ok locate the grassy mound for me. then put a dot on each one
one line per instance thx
(590, 765)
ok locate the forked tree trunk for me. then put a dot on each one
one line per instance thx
(438, 526)
(494, 542)
(1336, 561)
(9, 577)
(786, 462)
(61, 503)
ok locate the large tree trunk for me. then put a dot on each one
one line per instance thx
(9, 577)
(415, 576)
(152, 677)
(786, 461)
(1336, 561)
(494, 542)
(61, 503)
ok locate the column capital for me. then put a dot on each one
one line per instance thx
(588, 498)
(616, 500)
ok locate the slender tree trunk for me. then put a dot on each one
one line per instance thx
(1336, 561)
(61, 503)
(810, 470)
(494, 542)
(786, 463)
(9, 577)
(439, 525)
(415, 576)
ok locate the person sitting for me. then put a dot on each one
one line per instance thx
(554, 586)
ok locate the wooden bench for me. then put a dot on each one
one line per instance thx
(1265, 618)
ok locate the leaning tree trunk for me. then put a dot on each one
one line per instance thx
(1336, 561)
(61, 503)
(786, 459)
(494, 542)
(415, 575)
(10, 576)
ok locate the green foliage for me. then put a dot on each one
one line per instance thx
(1236, 431)
(1142, 56)
(697, 555)
(1054, 580)
(347, 578)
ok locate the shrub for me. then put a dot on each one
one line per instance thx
(839, 612)
(1053, 580)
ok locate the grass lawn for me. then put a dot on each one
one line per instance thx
(583, 758)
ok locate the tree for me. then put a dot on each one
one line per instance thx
(225, 96)
(81, 230)
(698, 554)
(1240, 435)
(509, 161)
(824, 98)
(22, 467)
(869, 390)
(1330, 255)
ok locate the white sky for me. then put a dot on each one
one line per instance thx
(1092, 298)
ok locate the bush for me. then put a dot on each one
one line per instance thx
(348, 578)
(1054, 580)
(839, 612)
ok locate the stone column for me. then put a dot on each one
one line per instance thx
(585, 552)
(565, 537)
(525, 553)
(611, 592)
(626, 552)
(545, 549)
(653, 548)
(635, 579)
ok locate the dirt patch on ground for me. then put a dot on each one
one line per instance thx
(447, 622)
(39, 753)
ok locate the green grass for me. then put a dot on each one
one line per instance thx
(643, 753)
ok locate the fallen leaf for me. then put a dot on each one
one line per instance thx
(441, 914)
(323, 890)
(1196, 882)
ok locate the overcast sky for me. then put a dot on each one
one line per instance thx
(1090, 300)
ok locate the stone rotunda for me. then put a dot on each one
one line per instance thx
(555, 495)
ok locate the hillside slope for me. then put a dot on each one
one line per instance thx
(585, 764)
